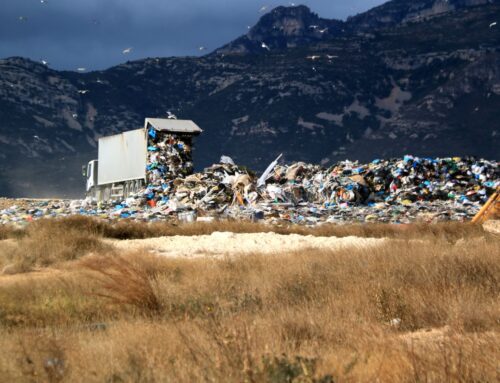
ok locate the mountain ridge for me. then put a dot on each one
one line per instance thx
(355, 93)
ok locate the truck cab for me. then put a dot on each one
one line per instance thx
(90, 173)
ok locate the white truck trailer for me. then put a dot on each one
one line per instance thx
(120, 169)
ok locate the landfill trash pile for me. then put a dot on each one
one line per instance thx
(214, 189)
(169, 157)
(395, 190)
(403, 181)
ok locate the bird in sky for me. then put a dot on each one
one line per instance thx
(331, 57)
(322, 30)
(126, 51)
(201, 48)
(264, 45)
(44, 62)
(493, 24)
(36, 137)
(263, 8)
(313, 57)
(171, 116)
(83, 91)
(81, 69)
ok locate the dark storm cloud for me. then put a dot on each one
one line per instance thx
(93, 33)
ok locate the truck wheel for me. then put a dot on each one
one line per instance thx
(106, 195)
(125, 190)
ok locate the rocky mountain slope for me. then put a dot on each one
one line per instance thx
(419, 76)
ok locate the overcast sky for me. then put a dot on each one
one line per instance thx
(93, 33)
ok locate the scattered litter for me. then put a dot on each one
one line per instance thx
(396, 190)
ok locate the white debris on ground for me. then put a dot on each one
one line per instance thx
(223, 244)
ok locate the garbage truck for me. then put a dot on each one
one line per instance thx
(121, 167)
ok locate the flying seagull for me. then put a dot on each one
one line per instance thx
(81, 69)
(264, 45)
(83, 91)
(493, 24)
(127, 51)
(171, 116)
(263, 8)
(322, 30)
(44, 62)
(201, 48)
(313, 57)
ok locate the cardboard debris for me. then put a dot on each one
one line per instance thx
(396, 190)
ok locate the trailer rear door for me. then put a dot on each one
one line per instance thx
(122, 157)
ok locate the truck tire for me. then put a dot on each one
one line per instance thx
(126, 190)
(137, 186)
(106, 194)
(90, 193)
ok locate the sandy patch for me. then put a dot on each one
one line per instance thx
(427, 335)
(221, 244)
(492, 226)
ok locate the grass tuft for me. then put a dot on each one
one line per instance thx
(48, 242)
(125, 282)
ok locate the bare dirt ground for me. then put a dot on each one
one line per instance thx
(492, 226)
(221, 244)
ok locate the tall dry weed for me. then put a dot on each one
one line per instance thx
(125, 282)
(448, 230)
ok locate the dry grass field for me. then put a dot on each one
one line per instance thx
(424, 307)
